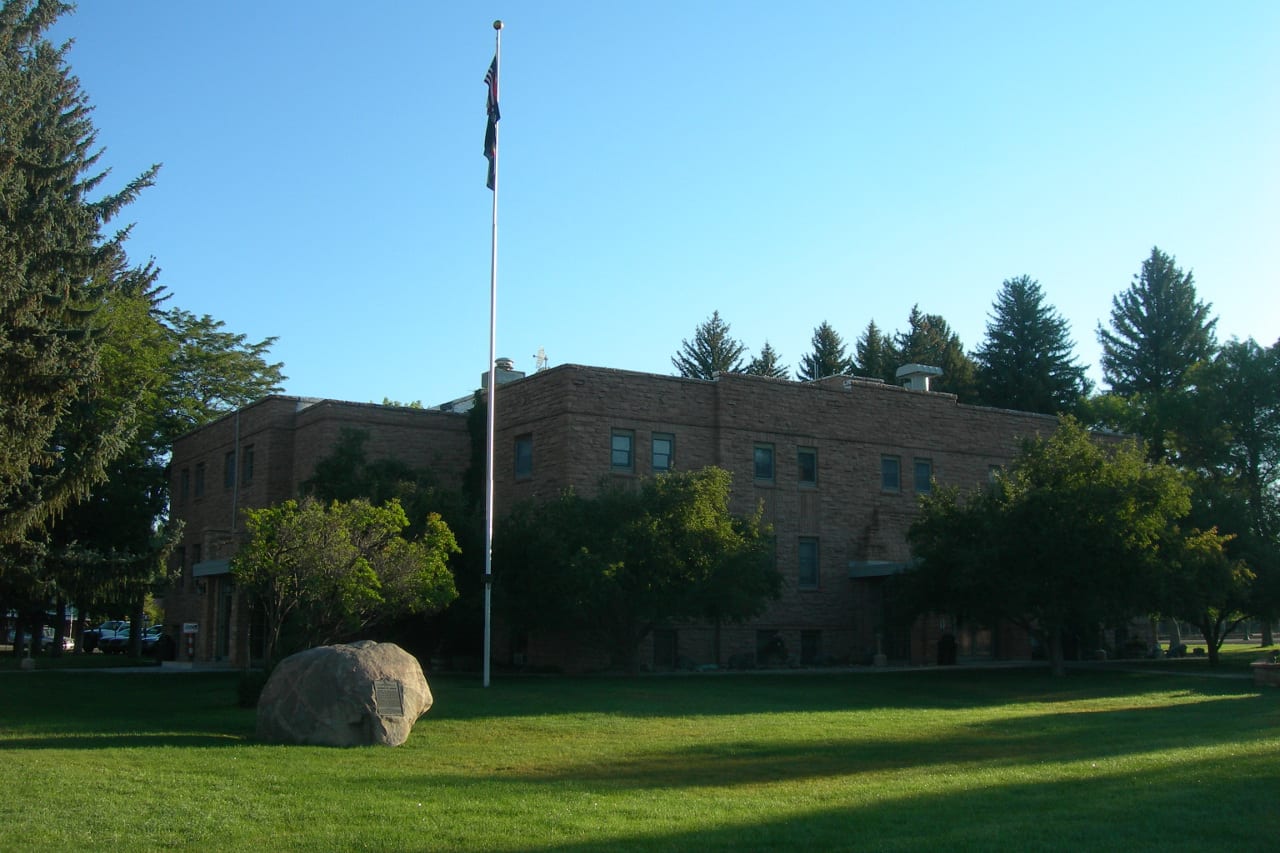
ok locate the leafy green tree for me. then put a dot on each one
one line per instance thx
(828, 357)
(1069, 538)
(768, 363)
(713, 350)
(1227, 430)
(1159, 331)
(322, 573)
(1026, 362)
(57, 271)
(212, 372)
(1203, 585)
(929, 340)
(614, 567)
(874, 355)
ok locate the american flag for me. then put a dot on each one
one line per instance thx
(491, 129)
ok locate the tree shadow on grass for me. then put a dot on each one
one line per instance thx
(111, 740)
(726, 695)
(1203, 807)
(1040, 738)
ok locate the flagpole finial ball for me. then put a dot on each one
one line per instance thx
(497, 25)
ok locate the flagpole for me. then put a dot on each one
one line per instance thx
(490, 419)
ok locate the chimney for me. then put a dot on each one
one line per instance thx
(915, 377)
(504, 369)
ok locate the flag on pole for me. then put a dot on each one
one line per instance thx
(491, 129)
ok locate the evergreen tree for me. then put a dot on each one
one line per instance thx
(828, 357)
(1026, 361)
(712, 351)
(874, 355)
(1159, 332)
(768, 363)
(929, 340)
(57, 271)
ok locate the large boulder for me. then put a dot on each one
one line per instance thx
(352, 695)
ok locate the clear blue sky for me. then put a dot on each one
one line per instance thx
(785, 164)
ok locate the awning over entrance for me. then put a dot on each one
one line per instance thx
(875, 568)
(206, 568)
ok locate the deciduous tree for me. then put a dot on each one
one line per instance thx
(322, 573)
(1068, 539)
(615, 566)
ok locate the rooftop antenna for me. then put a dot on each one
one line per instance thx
(539, 360)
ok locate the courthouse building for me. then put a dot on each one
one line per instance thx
(837, 464)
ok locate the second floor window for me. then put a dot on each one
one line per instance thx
(524, 457)
(622, 446)
(664, 449)
(890, 473)
(763, 463)
(807, 465)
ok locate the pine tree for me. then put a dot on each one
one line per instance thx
(768, 363)
(57, 271)
(874, 356)
(929, 340)
(1026, 361)
(712, 351)
(828, 357)
(1159, 330)
(1160, 333)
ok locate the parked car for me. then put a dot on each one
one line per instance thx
(47, 639)
(93, 637)
(150, 638)
(112, 637)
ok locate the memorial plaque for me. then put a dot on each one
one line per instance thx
(388, 698)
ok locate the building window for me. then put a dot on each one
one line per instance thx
(524, 457)
(807, 563)
(770, 649)
(184, 485)
(764, 463)
(199, 487)
(622, 447)
(229, 470)
(666, 650)
(810, 648)
(924, 476)
(664, 451)
(890, 473)
(197, 555)
(807, 466)
(246, 465)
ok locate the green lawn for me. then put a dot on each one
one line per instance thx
(924, 760)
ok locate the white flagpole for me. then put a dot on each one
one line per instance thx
(493, 379)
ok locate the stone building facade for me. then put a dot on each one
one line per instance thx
(838, 466)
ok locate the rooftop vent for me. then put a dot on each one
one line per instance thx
(915, 377)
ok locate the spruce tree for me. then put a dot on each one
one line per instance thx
(768, 363)
(1160, 333)
(929, 340)
(57, 271)
(828, 357)
(713, 350)
(874, 356)
(1026, 361)
(1159, 330)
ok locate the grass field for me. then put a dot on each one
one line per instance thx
(937, 759)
